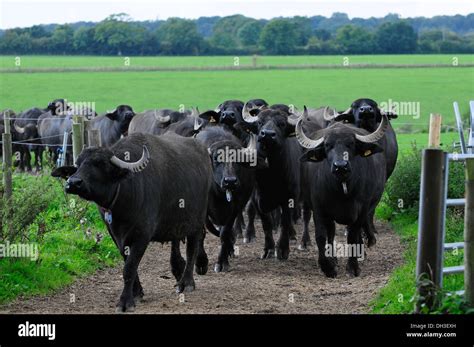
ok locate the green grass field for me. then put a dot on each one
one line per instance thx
(434, 89)
(93, 61)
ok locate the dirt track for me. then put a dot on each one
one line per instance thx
(252, 286)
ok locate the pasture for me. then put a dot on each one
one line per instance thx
(8, 62)
(428, 90)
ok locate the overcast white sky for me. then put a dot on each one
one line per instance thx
(20, 13)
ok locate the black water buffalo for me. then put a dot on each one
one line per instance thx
(233, 183)
(25, 133)
(345, 173)
(365, 114)
(113, 125)
(157, 122)
(51, 129)
(277, 184)
(161, 194)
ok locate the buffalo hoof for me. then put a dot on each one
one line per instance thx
(224, 267)
(282, 253)
(268, 253)
(353, 267)
(201, 270)
(125, 306)
(185, 286)
(138, 298)
(328, 266)
(139, 295)
(249, 239)
(201, 265)
(371, 241)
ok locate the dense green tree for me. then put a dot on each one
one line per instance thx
(225, 32)
(396, 37)
(179, 36)
(354, 40)
(119, 35)
(279, 37)
(249, 33)
(83, 40)
(62, 39)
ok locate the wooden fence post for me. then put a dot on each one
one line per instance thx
(254, 61)
(7, 175)
(469, 234)
(77, 140)
(434, 140)
(431, 216)
(93, 138)
(85, 124)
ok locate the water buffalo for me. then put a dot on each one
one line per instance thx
(233, 183)
(365, 114)
(277, 184)
(161, 194)
(113, 125)
(157, 122)
(25, 132)
(51, 129)
(345, 175)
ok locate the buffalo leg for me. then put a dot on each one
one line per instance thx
(283, 245)
(137, 289)
(202, 261)
(227, 246)
(305, 239)
(269, 248)
(276, 219)
(38, 158)
(238, 226)
(369, 229)
(324, 227)
(27, 159)
(137, 249)
(186, 283)
(176, 260)
(354, 240)
(249, 235)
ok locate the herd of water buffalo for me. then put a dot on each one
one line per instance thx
(169, 176)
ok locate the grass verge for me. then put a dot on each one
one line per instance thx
(71, 239)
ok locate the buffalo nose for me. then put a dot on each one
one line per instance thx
(341, 166)
(228, 114)
(73, 183)
(230, 181)
(265, 133)
(366, 108)
(129, 114)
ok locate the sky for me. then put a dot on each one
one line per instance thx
(23, 13)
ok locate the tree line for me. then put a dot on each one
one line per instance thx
(118, 34)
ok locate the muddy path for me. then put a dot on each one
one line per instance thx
(252, 286)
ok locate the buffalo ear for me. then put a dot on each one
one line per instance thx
(64, 171)
(347, 116)
(112, 115)
(211, 116)
(246, 127)
(390, 115)
(367, 149)
(315, 155)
